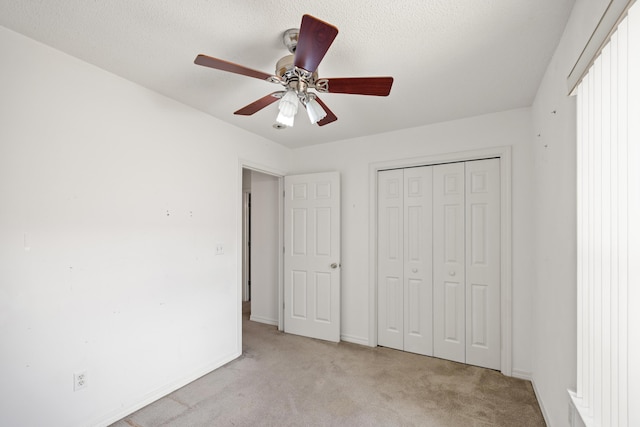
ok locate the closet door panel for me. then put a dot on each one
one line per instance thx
(391, 259)
(449, 261)
(483, 263)
(418, 287)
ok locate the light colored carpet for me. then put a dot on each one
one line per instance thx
(287, 380)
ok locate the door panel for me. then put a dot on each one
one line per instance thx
(312, 246)
(414, 317)
(449, 262)
(418, 285)
(453, 312)
(483, 266)
(323, 240)
(390, 259)
(479, 312)
(323, 297)
(299, 294)
(299, 232)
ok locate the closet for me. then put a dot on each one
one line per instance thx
(439, 261)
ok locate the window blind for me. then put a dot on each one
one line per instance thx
(608, 189)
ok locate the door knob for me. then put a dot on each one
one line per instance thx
(334, 265)
(452, 273)
(415, 270)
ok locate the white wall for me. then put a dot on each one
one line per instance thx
(265, 212)
(112, 199)
(554, 157)
(352, 159)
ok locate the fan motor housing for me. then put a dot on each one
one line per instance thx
(283, 65)
(293, 76)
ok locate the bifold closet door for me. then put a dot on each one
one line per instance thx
(482, 243)
(418, 262)
(439, 261)
(466, 262)
(405, 260)
(391, 259)
(449, 262)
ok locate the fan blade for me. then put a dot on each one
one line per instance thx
(314, 40)
(377, 86)
(329, 118)
(219, 64)
(258, 105)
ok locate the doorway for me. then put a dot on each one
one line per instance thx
(261, 231)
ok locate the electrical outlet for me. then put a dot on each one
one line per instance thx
(219, 249)
(80, 380)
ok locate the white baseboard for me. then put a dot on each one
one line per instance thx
(354, 339)
(523, 375)
(161, 392)
(542, 409)
(266, 320)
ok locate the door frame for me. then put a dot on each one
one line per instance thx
(247, 164)
(506, 317)
(246, 241)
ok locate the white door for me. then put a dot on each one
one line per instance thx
(483, 263)
(418, 285)
(405, 260)
(312, 255)
(391, 259)
(439, 261)
(448, 262)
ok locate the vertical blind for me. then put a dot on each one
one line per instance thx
(608, 210)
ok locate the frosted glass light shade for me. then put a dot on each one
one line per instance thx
(288, 107)
(315, 111)
(285, 120)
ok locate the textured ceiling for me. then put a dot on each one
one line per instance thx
(449, 58)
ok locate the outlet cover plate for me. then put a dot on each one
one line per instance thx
(79, 380)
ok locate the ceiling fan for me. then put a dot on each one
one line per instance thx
(298, 74)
